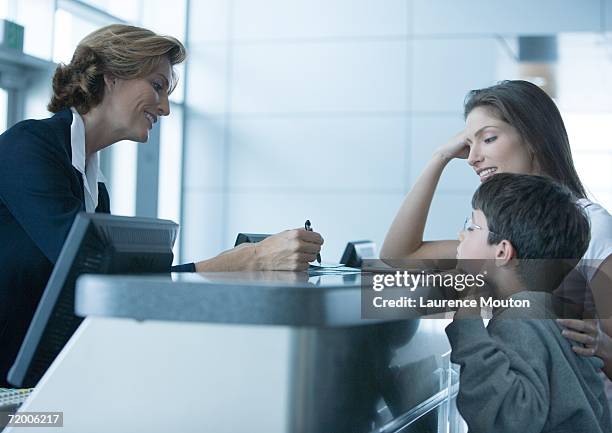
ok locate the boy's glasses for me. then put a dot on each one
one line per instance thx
(470, 226)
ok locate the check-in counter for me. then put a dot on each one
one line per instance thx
(245, 352)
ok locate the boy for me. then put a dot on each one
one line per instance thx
(521, 375)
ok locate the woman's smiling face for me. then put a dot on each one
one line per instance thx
(495, 146)
(137, 103)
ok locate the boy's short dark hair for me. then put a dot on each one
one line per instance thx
(539, 216)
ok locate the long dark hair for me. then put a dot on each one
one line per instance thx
(536, 117)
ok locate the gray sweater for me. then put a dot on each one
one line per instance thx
(521, 375)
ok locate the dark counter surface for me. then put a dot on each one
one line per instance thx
(272, 298)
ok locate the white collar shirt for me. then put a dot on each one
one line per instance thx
(88, 167)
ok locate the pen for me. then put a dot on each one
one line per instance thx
(308, 227)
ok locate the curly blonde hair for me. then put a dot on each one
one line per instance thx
(122, 51)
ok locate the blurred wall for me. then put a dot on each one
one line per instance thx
(328, 110)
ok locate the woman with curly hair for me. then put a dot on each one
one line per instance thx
(115, 88)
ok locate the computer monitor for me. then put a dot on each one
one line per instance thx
(96, 244)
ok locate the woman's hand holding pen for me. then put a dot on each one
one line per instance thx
(455, 147)
(290, 250)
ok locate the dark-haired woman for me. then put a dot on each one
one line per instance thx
(513, 127)
(115, 88)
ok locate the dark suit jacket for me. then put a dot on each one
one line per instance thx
(40, 195)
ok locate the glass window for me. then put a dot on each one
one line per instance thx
(584, 83)
(168, 19)
(591, 141)
(38, 26)
(4, 9)
(122, 179)
(165, 17)
(69, 30)
(170, 167)
(127, 10)
(3, 109)
(179, 92)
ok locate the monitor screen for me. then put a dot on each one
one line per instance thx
(96, 244)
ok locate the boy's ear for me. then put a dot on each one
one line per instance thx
(504, 253)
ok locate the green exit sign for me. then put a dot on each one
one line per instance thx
(12, 35)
